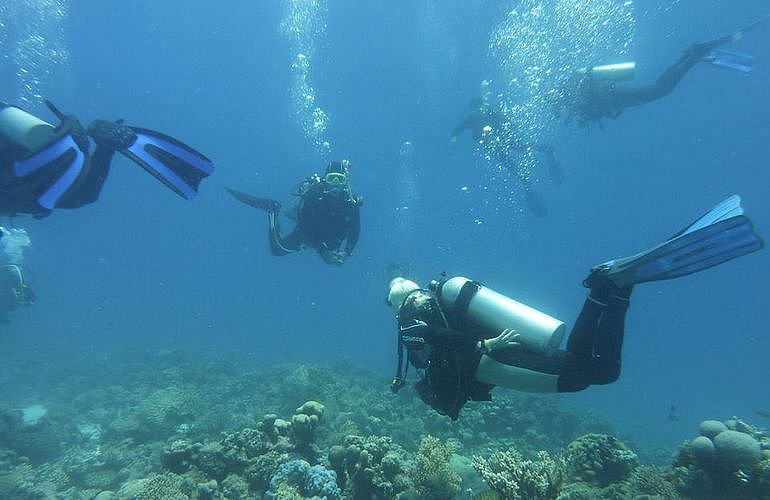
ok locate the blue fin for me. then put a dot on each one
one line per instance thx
(731, 207)
(731, 59)
(175, 164)
(720, 235)
(53, 170)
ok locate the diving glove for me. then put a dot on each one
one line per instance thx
(113, 135)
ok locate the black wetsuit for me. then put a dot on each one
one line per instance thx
(445, 349)
(327, 217)
(599, 99)
(446, 357)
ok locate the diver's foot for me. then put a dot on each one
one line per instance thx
(535, 204)
(602, 287)
(260, 203)
(702, 49)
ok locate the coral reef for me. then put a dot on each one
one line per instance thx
(299, 476)
(598, 459)
(729, 459)
(370, 468)
(169, 425)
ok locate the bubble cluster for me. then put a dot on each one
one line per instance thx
(407, 189)
(304, 26)
(535, 50)
(37, 48)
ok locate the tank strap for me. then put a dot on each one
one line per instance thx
(460, 309)
(467, 292)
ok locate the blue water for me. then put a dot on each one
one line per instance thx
(145, 268)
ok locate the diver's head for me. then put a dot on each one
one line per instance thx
(339, 167)
(337, 179)
(398, 289)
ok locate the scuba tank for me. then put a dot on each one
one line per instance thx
(23, 129)
(493, 312)
(614, 72)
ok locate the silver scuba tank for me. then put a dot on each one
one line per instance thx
(494, 312)
(614, 72)
(23, 129)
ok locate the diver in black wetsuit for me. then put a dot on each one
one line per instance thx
(459, 363)
(596, 93)
(486, 127)
(327, 215)
(43, 167)
(460, 335)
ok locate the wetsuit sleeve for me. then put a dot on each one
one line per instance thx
(437, 336)
(354, 231)
(90, 185)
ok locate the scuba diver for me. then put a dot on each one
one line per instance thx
(43, 167)
(327, 214)
(14, 290)
(464, 338)
(599, 92)
(488, 129)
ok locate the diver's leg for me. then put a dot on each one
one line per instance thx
(594, 345)
(88, 186)
(606, 361)
(280, 246)
(667, 82)
(534, 202)
(554, 166)
(592, 355)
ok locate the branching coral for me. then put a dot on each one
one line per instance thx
(515, 477)
(431, 475)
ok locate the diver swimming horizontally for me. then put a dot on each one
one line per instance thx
(486, 127)
(464, 338)
(327, 214)
(601, 92)
(44, 167)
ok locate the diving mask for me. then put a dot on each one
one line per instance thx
(336, 179)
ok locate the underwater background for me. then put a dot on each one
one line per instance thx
(143, 292)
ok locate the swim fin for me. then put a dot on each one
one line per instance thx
(721, 234)
(178, 166)
(48, 173)
(261, 203)
(730, 59)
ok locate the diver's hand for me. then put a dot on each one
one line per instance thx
(333, 257)
(75, 129)
(508, 338)
(113, 135)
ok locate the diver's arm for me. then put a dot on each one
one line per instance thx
(109, 137)
(421, 332)
(353, 231)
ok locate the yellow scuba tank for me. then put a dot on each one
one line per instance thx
(494, 312)
(614, 72)
(23, 129)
